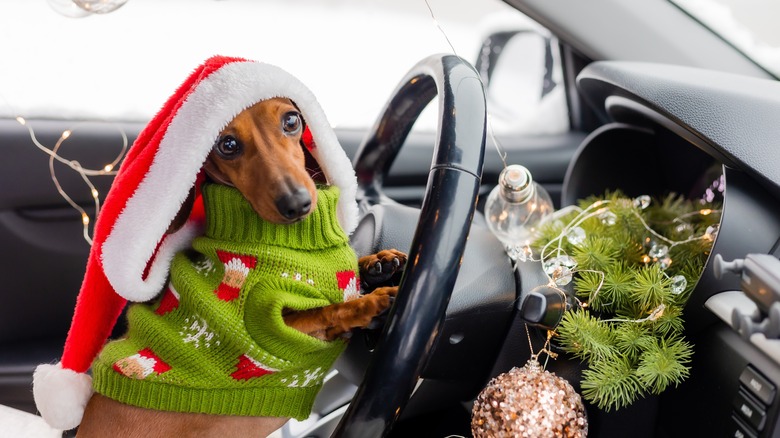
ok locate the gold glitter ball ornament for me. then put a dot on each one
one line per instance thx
(529, 402)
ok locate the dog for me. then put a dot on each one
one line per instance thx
(259, 153)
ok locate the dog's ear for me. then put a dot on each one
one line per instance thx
(213, 172)
(313, 167)
(184, 213)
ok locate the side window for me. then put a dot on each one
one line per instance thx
(521, 68)
(520, 63)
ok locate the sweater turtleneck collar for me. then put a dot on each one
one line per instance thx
(230, 217)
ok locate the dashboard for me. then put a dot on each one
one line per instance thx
(701, 134)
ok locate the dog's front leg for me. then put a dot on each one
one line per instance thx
(330, 322)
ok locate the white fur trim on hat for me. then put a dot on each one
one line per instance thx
(61, 395)
(211, 105)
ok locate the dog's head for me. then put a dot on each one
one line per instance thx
(260, 153)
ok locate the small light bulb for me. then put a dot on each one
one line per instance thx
(21, 120)
(646, 259)
(65, 134)
(108, 168)
(84, 219)
(94, 193)
(705, 211)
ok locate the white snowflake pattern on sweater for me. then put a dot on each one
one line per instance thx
(197, 331)
(309, 376)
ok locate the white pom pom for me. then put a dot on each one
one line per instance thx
(61, 395)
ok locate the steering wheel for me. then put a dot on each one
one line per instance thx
(439, 240)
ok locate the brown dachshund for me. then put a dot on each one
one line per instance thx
(259, 153)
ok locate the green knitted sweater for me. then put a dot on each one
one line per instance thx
(214, 342)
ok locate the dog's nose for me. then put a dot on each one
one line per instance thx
(295, 205)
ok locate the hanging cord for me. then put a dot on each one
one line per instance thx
(545, 348)
(499, 149)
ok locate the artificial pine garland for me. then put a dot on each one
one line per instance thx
(629, 266)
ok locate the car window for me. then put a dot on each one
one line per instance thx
(749, 25)
(123, 64)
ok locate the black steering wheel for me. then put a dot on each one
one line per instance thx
(439, 240)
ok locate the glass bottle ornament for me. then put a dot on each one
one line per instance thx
(516, 207)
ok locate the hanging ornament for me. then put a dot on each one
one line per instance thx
(684, 229)
(642, 202)
(554, 264)
(85, 8)
(68, 8)
(529, 402)
(519, 253)
(679, 283)
(576, 236)
(515, 208)
(100, 6)
(658, 251)
(607, 217)
(712, 232)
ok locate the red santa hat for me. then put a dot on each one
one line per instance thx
(131, 252)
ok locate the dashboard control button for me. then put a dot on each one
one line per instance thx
(739, 429)
(750, 410)
(758, 385)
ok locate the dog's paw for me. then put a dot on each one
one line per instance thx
(381, 267)
(362, 313)
(372, 305)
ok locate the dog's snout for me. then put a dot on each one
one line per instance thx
(294, 205)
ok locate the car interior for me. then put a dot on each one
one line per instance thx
(647, 115)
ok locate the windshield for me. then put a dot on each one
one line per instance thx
(123, 65)
(749, 25)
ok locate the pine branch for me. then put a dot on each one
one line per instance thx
(618, 284)
(586, 286)
(585, 336)
(610, 385)
(651, 287)
(630, 251)
(670, 323)
(597, 253)
(664, 363)
(632, 340)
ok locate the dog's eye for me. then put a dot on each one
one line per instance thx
(291, 123)
(228, 147)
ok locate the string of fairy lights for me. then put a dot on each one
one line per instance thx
(78, 9)
(84, 173)
(559, 267)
